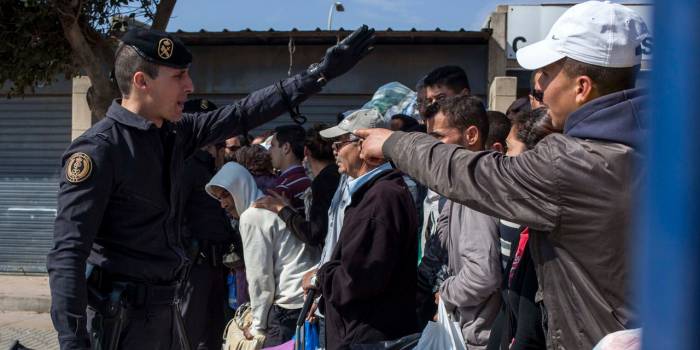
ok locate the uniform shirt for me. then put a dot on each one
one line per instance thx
(292, 183)
(119, 198)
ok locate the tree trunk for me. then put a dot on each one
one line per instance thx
(162, 16)
(102, 90)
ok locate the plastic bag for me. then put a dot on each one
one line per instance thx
(630, 339)
(234, 339)
(443, 334)
(310, 336)
(388, 95)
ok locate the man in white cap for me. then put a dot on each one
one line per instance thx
(575, 190)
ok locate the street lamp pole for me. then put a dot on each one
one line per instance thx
(337, 6)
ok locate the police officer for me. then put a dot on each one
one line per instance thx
(117, 249)
(207, 236)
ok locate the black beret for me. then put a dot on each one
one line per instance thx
(158, 47)
(198, 105)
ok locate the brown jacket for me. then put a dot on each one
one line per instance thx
(578, 187)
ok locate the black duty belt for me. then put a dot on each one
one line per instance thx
(138, 294)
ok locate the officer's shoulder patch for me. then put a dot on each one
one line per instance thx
(78, 168)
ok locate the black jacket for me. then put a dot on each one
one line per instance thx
(118, 208)
(313, 231)
(369, 283)
(203, 217)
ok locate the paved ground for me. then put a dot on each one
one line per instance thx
(33, 330)
(24, 306)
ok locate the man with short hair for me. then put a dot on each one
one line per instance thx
(233, 144)
(311, 225)
(440, 83)
(575, 190)
(499, 127)
(287, 152)
(469, 237)
(368, 284)
(120, 191)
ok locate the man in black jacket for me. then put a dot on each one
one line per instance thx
(119, 198)
(369, 283)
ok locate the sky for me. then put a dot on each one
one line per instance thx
(216, 15)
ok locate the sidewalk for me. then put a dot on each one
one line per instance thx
(24, 307)
(24, 293)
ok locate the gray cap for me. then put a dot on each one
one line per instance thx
(359, 119)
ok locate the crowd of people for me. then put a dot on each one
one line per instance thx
(515, 223)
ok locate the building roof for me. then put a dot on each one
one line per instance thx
(325, 37)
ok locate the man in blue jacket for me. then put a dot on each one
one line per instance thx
(574, 190)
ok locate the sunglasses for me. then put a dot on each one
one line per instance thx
(337, 145)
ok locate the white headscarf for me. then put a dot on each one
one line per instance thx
(235, 179)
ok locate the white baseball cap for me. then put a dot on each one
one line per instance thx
(593, 32)
(360, 119)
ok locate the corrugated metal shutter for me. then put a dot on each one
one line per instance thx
(34, 132)
(318, 109)
(27, 212)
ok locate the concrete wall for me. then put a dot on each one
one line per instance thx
(241, 69)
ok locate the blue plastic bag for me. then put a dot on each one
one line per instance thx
(310, 336)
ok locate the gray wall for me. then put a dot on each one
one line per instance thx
(242, 69)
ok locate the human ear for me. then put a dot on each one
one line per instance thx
(139, 81)
(584, 89)
(471, 134)
(498, 147)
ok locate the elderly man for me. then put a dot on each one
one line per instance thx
(574, 190)
(369, 283)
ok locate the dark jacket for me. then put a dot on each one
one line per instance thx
(203, 217)
(313, 231)
(574, 190)
(519, 323)
(122, 212)
(369, 284)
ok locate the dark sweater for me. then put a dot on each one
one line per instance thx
(314, 230)
(369, 284)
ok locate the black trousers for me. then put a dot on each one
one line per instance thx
(281, 325)
(204, 305)
(148, 327)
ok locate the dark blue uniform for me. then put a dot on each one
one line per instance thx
(208, 233)
(118, 208)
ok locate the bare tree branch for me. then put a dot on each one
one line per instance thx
(163, 12)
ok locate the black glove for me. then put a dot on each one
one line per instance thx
(343, 56)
